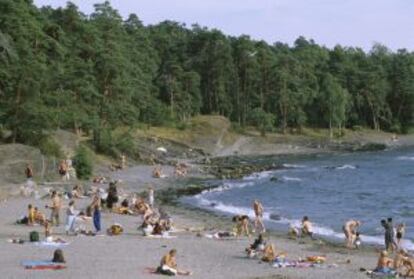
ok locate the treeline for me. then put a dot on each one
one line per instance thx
(60, 68)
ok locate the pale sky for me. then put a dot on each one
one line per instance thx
(358, 23)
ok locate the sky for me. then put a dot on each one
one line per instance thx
(356, 23)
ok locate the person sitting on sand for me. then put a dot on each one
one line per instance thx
(350, 228)
(168, 265)
(77, 192)
(40, 218)
(30, 215)
(307, 229)
(157, 172)
(83, 222)
(242, 225)
(257, 246)
(384, 264)
(141, 206)
(124, 208)
(400, 233)
(269, 253)
(58, 256)
(258, 212)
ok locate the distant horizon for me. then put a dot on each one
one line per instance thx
(359, 25)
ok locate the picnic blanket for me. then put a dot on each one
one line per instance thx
(42, 265)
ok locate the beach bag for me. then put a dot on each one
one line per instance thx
(34, 236)
(116, 230)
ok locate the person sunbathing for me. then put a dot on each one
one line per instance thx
(384, 264)
(158, 229)
(168, 265)
(269, 253)
(257, 246)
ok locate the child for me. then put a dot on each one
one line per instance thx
(48, 229)
(31, 215)
(400, 233)
(357, 240)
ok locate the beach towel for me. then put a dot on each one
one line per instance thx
(42, 265)
(47, 244)
(218, 237)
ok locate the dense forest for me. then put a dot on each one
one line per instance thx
(60, 68)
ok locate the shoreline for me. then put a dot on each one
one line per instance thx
(205, 257)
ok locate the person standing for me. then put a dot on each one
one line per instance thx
(70, 217)
(29, 172)
(55, 207)
(258, 211)
(388, 234)
(151, 197)
(96, 206)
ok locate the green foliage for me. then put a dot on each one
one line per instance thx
(50, 148)
(62, 69)
(262, 120)
(83, 163)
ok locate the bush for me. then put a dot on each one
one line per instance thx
(125, 143)
(50, 148)
(83, 163)
(263, 121)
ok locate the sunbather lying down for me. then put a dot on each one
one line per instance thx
(256, 247)
(168, 265)
(221, 235)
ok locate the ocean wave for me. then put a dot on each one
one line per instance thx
(406, 158)
(225, 187)
(318, 229)
(259, 175)
(346, 167)
(293, 166)
(293, 179)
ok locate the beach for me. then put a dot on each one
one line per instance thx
(130, 254)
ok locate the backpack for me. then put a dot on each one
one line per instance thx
(34, 236)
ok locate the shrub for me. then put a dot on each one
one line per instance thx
(83, 162)
(50, 148)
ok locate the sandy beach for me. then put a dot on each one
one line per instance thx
(128, 255)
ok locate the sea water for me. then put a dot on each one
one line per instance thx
(329, 189)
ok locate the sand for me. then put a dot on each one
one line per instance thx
(128, 255)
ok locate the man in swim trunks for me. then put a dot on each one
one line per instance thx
(258, 211)
(350, 229)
